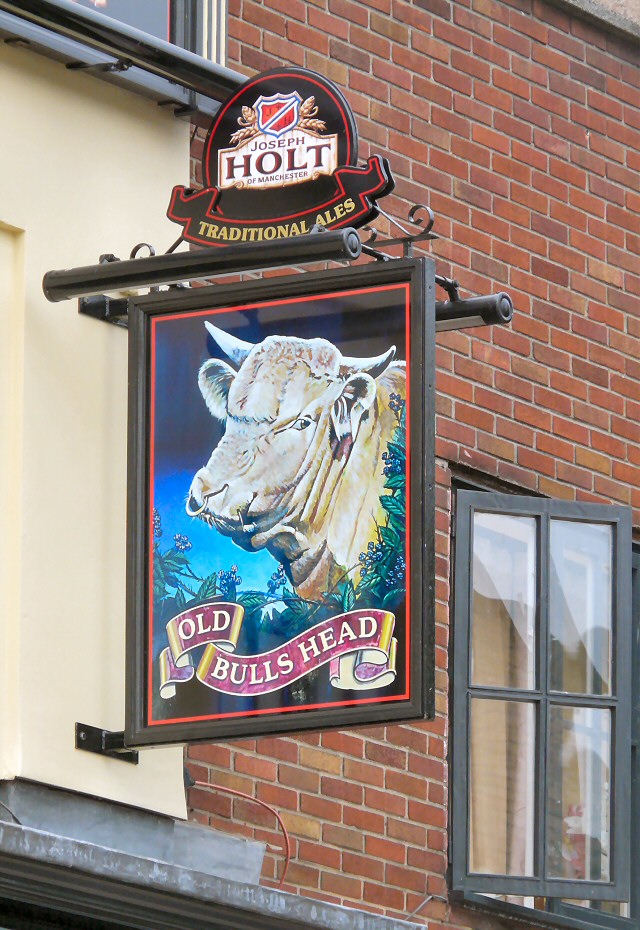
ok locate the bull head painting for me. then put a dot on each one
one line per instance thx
(298, 470)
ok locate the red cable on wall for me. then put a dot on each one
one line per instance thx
(248, 797)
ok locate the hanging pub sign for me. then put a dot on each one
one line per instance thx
(280, 158)
(281, 504)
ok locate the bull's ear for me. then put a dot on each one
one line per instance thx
(214, 380)
(358, 393)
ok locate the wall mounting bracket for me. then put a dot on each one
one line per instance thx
(102, 307)
(116, 66)
(458, 313)
(104, 743)
(175, 268)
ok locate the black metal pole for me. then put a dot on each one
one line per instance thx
(193, 266)
(459, 314)
(473, 311)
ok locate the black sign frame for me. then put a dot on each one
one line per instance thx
(367, 298)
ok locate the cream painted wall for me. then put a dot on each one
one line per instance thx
(85, 169)
(11, 379)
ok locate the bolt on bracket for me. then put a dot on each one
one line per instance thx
(104, 743)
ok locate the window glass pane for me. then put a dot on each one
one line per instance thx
(581, 607)
(578, 793)
(504, 601)
(502, 787)
(150, 16)
(617, 908)
(520, 900)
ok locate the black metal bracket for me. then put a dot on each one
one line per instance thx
(320, 244)
(456, 313)
(122, 64)
(407, 239)
(201, 265)
(450, 286)
(115, 309)
(102, 307)
(104, 743)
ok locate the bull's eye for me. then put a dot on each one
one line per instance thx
(302, 423)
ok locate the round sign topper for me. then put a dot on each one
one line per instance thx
(279, 159)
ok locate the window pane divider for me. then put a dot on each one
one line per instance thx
(583, 700)
(542, 612)
(504, 694)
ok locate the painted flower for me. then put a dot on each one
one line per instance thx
(182, 543)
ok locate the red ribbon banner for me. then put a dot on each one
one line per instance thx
(359, 646)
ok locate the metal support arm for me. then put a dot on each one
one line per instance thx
(452, 314)
(473, 311)
(104, 743)
(193, 266)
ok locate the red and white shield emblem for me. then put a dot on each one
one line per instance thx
(278, 114)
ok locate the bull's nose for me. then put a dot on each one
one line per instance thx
(194, 508)
(200, 493)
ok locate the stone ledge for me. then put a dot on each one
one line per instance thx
(612, 20)
(19, 844)
(110, 858)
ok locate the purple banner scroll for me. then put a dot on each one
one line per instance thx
(359, 646)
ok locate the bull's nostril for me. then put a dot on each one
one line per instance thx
(193, 507)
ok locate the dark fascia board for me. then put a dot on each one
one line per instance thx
(163, 71)
(78, 899)
(22, 34)
(83, 881)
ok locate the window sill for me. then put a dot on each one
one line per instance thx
(568, 918)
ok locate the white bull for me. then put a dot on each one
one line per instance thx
(298, 470)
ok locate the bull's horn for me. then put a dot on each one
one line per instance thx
(235, 349)
(373, 366)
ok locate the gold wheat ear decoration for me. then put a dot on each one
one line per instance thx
(249, 123)
(308, 110)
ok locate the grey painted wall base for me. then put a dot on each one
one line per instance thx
(135, 870)
(121, 829)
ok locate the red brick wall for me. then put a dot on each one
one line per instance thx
(520, 127)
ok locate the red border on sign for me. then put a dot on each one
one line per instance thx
(155, 321)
